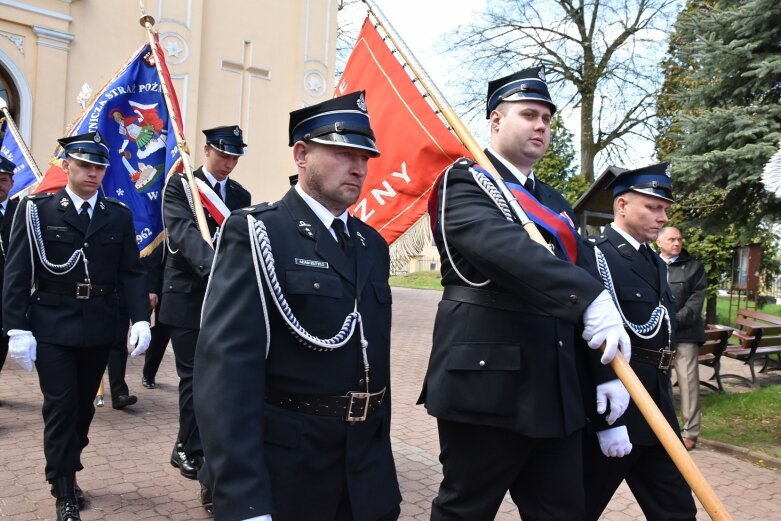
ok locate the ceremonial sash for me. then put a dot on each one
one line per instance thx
(559, 226)
(211, 201)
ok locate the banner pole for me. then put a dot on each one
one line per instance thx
(18, 136)
(453, 120)
(147, 22)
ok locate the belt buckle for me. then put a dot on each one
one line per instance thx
(354, 397)
(83, 291)
(665, 358)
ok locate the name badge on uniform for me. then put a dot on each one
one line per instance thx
(311, 263)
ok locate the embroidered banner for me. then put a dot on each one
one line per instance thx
(11, 149)
(414, 142)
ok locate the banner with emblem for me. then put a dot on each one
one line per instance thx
(14, 150)
(415, 144)
(131, 114)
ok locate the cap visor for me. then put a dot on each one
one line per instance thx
(349, 140)
(94, 159)
(654, 192)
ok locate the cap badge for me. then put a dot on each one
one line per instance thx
(361, 103)
(541, 74)
(236, 131)
(668, 171)
(97, 138)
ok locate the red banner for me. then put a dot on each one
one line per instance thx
(414, 142)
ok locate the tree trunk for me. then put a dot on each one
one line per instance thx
(587, 147)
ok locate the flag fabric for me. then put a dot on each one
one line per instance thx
(414, 142)
(24, 173)
(131, 114)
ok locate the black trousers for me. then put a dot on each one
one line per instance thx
(183, 341)
(161, 335)
(69, 378)
(480, 464)
(653, 478)
(3, 349)
(117, 358)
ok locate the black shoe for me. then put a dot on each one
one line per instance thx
(185, 465)
(67, 509)
(149, 383)
(206, 499)
(123, 400)
(81, 498)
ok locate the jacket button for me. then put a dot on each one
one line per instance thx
(316, 285)
(561, 343)
(638, 295)
(86, 245)
(482, 363)
(361, 381)
(573, 299)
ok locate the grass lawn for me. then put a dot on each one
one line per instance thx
(751, 419)
(418, 279)
(723, 315)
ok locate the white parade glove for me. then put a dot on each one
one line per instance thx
(22, 347)
(603, 324)
(140, 336)
(615, 393)
(615, 442)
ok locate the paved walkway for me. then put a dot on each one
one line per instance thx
(128, 477)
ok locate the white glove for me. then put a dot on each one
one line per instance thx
(22, 348)
(603, 324)
(615, 442)
(615, 393)
(140, 336)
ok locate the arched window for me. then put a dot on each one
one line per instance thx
(9, 93)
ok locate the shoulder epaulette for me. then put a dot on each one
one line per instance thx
(258, 208)
(116, 201)
(599, 239)
(41, 195)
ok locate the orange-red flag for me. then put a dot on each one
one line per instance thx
(415, 144)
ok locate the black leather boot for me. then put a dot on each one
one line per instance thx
(67, 506)
(81, 498)
(180, 460)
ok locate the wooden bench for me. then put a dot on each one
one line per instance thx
(759, 336)
(716, 339)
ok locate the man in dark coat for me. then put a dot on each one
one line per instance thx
(294, 407)
(502, 379)
(686, 276)
(188, 262)
(637, 279)
(76, 247)
(7, 210)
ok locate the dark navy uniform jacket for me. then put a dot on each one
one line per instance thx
(511, 369)
(264, 459)
(111, 249)
(5, 236)
(640, 289)
(185, 283)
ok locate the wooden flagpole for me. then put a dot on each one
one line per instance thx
(147, 22)
(634, 386)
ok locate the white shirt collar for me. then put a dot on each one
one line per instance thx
(213, 180)
(78, 201)
(631, 240)
(520, 176)
(322, 213)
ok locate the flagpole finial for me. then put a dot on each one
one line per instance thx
(84, 95)
(147, 21)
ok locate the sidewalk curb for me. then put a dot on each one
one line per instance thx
(758, 458)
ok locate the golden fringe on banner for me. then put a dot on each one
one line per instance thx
(409, 244)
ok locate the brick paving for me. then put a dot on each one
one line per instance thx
(127, 475)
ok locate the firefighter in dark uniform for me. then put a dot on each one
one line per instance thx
(83, 247)
(188, 262)
(292, 383)
(7, 210)
(637, 278)
(502, 379)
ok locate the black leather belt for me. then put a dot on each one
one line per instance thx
(179, 264)
(81, 291)
(353, 407)
(662, 359)
(487, 298)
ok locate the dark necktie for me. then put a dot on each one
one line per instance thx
(84, 214)
(344, 240)
(529, 186)
(218, 191)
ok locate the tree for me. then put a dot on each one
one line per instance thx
(602, 57)
(557, 167)
(726, 117)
